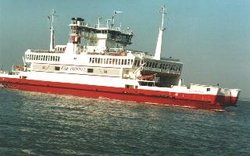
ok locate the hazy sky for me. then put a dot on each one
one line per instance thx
(211, 37)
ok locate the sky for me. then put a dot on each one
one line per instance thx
(211, 37)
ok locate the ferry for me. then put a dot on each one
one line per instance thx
(97, 63)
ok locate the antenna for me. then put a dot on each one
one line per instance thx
(113, 17)
(160, 35)
(52, 31)
(98, 21)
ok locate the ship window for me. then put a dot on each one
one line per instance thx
(149, 64)
(143, 83)
(93, 60)
(129, 61)
(167, 66)
(90, 70)
(98, 60)
(208, 89)
(129, 86)
(135, 63)
(57, 58)
(171, 67)
(57, 68)
(156, 64)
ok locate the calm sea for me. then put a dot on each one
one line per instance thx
(42, 124)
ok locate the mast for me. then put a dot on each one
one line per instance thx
(113, 17)
(52, 31)
(160, 35)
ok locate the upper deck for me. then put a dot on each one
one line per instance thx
(102, 50)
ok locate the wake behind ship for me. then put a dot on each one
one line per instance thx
(96, 63)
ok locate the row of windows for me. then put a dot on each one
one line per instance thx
(42, 57)
(164, 66)
(114, 61)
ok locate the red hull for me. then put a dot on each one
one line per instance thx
(125, 94)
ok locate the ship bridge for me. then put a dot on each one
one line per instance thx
(99, 38)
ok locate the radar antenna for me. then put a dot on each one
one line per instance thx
(113, 17)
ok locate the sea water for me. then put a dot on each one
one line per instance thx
(44, 124)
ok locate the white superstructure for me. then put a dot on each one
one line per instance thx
(100, 50)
